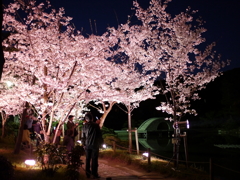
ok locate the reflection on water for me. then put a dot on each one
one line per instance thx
(200, 145)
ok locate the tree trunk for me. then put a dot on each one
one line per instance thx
(106, 112)
(102, 119)
(129, 128)
(176, 137)
(43, 122)
(61, 122)
(4, 120)
(3, 129)
(56, 132)
(20, 131)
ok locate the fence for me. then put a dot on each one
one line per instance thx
(210, 163)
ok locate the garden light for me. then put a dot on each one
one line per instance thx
(145, 156)
(104, 146)
(30, 162)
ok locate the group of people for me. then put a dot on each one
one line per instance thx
(31, 126)
(91, 138)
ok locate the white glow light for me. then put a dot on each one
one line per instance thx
(145, 154)
(30, 162)
(9, 83)
(188, 126)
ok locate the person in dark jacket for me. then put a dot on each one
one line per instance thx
(91, 139)
(68, 141)
(72, 126)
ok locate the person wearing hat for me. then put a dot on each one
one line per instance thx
(72, 126)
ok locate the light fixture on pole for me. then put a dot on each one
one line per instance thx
(181, 125)
(178, 126)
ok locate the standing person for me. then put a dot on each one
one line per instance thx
(29, 122)
(72, 126)
(68, 141)
(36, 126)
(26, 136)
(91, 139)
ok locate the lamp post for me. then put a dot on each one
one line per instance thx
(136, 139)
(178, 126)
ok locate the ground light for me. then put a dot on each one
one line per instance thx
(79, 141)
(104, 146)
(30, 162)
(145, 156)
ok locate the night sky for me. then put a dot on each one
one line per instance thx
(221, 16)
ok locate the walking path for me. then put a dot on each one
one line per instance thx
(111, 171)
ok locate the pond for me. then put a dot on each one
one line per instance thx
(200, 147)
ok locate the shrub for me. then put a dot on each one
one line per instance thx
(6, 169)
(74, 163)
(50, 156)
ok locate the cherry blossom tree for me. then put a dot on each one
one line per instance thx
(38, 40)
(55, 65)
(176, 51)
(10, 103)
(6, 99)
(128, 85)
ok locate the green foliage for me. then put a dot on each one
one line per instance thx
(6, 169)
(107, 131)
(21, 171)
(11, 126)
(74, 163)
(109, 138)
(50, 157)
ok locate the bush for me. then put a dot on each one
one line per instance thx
(108, 139)
(74, 163)
(50, 156)
(6, 169)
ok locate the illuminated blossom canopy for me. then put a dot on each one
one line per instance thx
(173, 47)
(54, 67)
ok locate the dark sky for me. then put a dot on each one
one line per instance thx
(222, 19)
